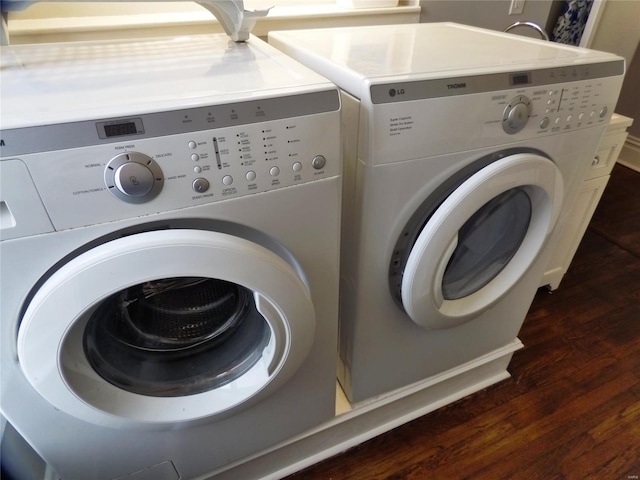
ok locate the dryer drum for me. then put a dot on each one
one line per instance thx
(175, 337)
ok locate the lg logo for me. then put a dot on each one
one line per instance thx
(393, 92)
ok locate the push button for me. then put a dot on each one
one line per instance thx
(200, 185)
(318, 162)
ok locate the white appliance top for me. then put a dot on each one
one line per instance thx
(349, 56)
(68, 82)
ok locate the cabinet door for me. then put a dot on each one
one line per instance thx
(573, 231)
(607, 154)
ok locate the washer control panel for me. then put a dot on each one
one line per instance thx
(142, 175)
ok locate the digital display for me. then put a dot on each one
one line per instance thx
(119, 129)
(110, 129)
(520, 79)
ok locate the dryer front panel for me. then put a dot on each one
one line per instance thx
(166, 326)
(470, 246)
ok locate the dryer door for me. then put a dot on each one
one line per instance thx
(480, 240)
(165, 326)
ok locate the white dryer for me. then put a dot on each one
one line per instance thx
(170, 246)
(463, 149)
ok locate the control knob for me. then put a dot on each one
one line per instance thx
(133, 177)
(516, 114)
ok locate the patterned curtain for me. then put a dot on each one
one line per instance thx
(571, 22)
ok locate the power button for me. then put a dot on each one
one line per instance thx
(318, 162)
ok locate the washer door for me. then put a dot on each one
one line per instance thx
(481, 240)
(165, 326)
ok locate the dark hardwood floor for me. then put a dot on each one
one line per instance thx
(572, 407)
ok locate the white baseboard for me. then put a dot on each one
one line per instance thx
(630, 154)
(372, 418)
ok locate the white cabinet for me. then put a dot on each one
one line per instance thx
(592, 189)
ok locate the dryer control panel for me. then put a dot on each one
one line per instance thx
(425, 118)
(144, 164)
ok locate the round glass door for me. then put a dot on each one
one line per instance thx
(121, 336)
(480, 240)
(176, 336)
(485, 246)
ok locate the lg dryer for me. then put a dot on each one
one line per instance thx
(169, 243)
(464, 150)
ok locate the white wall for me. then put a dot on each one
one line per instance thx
(492, 14)
(619, 32)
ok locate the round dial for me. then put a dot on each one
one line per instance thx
(516, 114)
(133, 177)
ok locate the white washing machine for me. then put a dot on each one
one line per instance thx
(463, 149)
(170, 253)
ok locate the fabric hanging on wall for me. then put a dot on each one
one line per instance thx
(571, 22)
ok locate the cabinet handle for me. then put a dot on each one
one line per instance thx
(595, 161)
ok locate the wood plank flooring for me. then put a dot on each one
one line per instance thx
(572, 407)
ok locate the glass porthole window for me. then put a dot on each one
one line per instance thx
(486, 243)
(175, 336)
